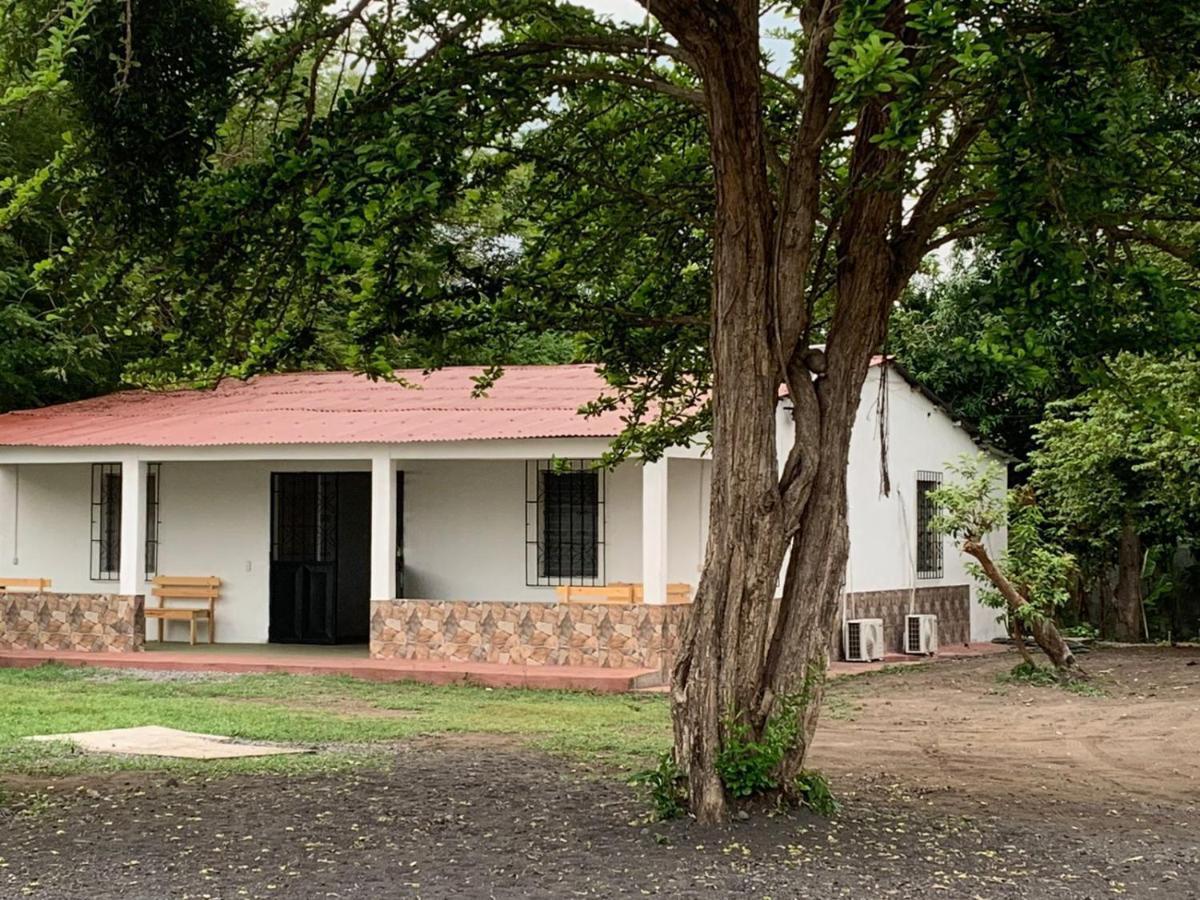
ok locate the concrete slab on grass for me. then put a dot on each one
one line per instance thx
(154, 740)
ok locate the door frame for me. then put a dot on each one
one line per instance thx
(331, 530)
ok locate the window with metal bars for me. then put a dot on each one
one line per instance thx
(153, 485)
(564, 522)
(106, 520)
(930, 563)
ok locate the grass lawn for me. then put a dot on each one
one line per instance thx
(349, 722)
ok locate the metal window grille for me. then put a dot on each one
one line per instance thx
(930, 563)
(564, 522)
(304, 517)
(153, 485)
(399, 534)
(106, 522)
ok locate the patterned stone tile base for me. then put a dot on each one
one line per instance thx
(566, 634)
(950, 603)
(87, 622)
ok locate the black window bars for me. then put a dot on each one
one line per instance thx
(564, 523)
(930, 559)
(105, 557)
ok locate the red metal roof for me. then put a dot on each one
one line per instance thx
(327, 408)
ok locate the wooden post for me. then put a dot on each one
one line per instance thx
(383, 527)
(654, 532)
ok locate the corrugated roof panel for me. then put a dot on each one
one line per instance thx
(327, 408)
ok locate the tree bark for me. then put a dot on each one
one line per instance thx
(748, 658)
(1127, 595)
(719, 667)
(1017, 631)
(1045, 633)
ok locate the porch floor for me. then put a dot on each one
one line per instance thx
(343, 659)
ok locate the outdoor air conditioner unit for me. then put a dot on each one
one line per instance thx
(920, 635)
(863, 639)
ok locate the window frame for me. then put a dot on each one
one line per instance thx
(930, 557)
(585, 566)
(153, 516)
(106, 501)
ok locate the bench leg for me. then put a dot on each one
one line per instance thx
(192, 622)
(211, 627)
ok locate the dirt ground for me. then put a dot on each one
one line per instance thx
(951, 784)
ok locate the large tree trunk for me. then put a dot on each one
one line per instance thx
(749, 659)
(1127, 595)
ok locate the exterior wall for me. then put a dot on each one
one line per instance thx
(950, 603)
(883, 528)
(87, 622)
(606, 636)
(688, 485)
(464, 531)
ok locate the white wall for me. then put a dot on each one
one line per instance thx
(688, 483)
(464, 524)
(921, 437)
(45, 527)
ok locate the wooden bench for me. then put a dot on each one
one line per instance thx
(24, 584)
(190, 588)
(619, 593)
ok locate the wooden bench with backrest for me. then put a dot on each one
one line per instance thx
(193, 589)
(24, 584)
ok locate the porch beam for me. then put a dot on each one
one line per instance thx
(133, 526)
(383, 527)
(654, 532)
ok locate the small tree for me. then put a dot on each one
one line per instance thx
(1118, 466)
(1030, 581)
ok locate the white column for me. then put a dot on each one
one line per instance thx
(133, 526)
(383, 527)
(654, 532)
(9, 515)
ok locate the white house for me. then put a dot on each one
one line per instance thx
(420, 518)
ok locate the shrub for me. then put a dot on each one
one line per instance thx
(1031, 673)
(666, 786)
(814, 792)
(746, 767)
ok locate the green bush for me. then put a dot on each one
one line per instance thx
(1031, 673)
(746, 767)
(667, 787)
(814, 792)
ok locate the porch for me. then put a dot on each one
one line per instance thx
(415, 554)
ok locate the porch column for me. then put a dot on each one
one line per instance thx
(383, 527)
(9, 489)
(654, 531)
(133, 526)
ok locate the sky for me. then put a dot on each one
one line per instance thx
(622, 10)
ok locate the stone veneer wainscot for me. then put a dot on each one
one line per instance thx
(639, 636)
(951, 603)
(89, 622)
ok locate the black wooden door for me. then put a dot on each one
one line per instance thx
(304, 557)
